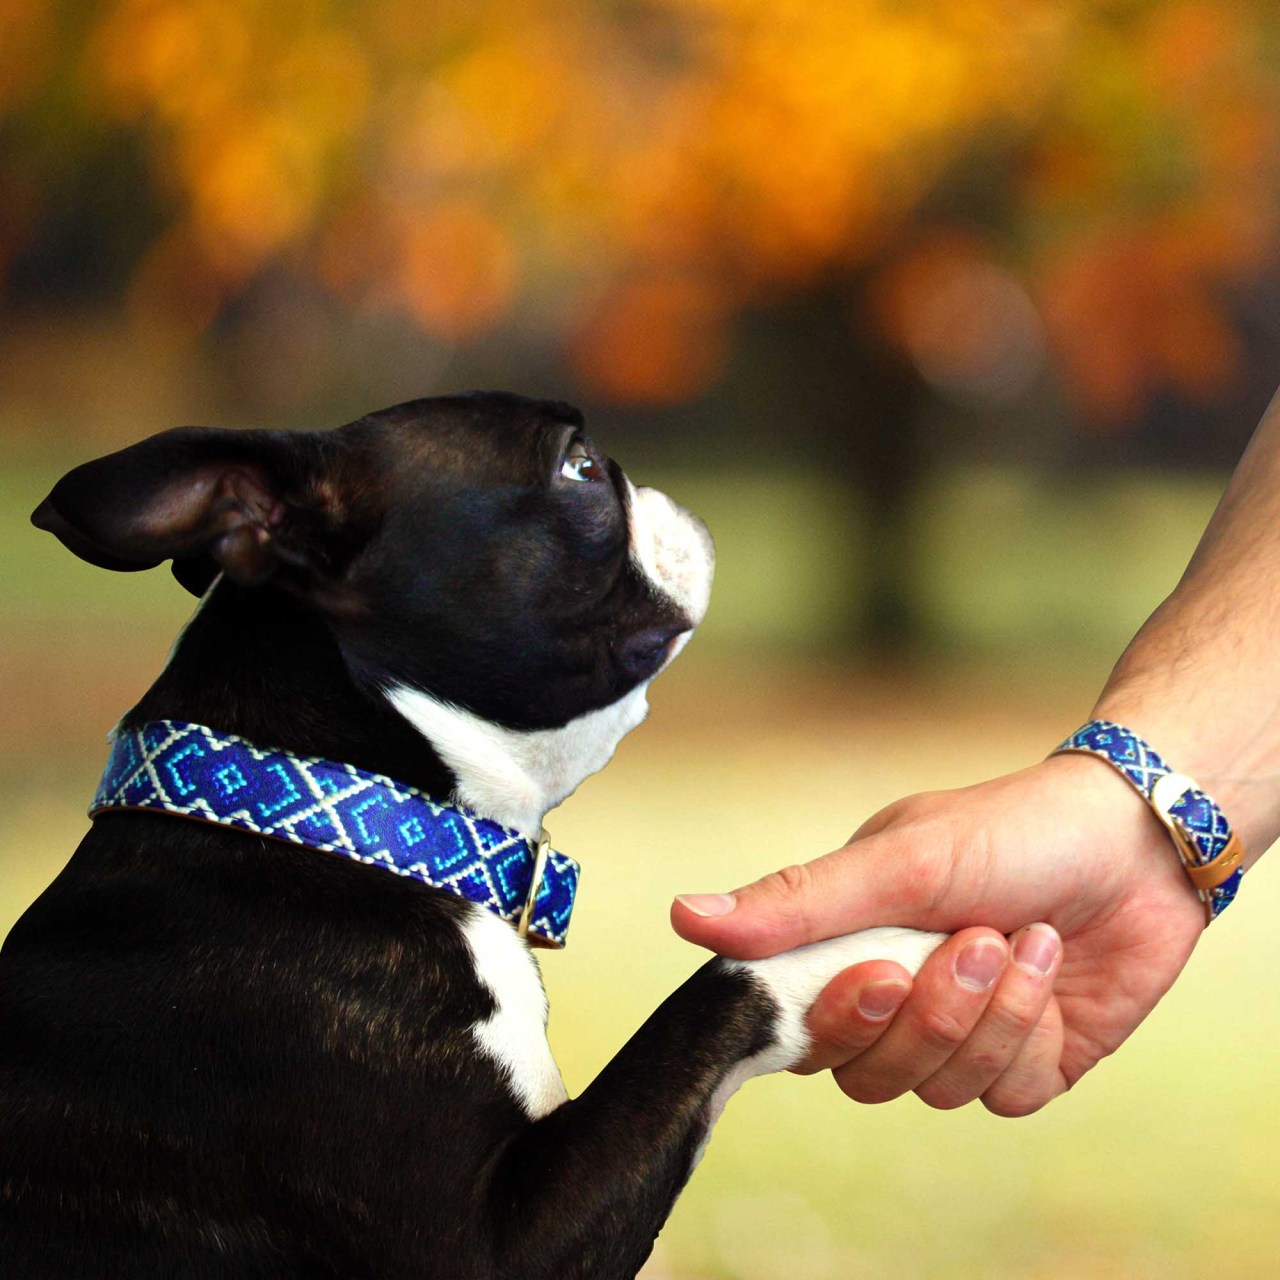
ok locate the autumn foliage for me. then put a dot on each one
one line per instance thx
(625, 177)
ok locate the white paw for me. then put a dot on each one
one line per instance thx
(796, 978)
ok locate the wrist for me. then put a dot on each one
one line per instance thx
(1235, 770)
(1202, 706)
(1134, 847)
(1211, 853)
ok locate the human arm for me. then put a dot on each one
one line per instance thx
(1065, 842)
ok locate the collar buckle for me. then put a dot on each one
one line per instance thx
(535, 884)
(191, 771)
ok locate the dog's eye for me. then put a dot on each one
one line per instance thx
(579, 464)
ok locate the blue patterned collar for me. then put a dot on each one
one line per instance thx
(195, 772)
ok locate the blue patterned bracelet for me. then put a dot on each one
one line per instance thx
(1211, 853)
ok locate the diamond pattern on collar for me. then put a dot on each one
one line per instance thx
(176, 767)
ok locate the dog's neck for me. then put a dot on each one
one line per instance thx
(516, 776)
(266, 667)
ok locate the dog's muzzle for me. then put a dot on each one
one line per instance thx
(674, 549)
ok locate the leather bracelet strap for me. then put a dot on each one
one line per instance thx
(1211, 853)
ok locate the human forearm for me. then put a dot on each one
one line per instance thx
(1201, 680)
(1065, 847)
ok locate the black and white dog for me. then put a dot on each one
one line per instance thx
(223, 1055)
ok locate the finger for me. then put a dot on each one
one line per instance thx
(950, 995)
(852, 1013)
(859, 886)
(1035, 1075)
(1016, 1008)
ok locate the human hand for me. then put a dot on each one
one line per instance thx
(1063, 850)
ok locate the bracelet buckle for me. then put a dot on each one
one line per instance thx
(1210, 852)
(1166, 793)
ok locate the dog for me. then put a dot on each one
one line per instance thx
(233, 1049)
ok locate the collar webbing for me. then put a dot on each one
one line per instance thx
(190, 770)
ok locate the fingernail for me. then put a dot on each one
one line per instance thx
(708, 904)
(979, 965)
(879, 999)
(1036, 949)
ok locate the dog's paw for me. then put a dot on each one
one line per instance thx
(795, 979)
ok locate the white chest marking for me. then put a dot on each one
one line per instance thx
(515, 1035)
(516, 776)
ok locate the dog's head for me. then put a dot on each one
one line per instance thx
(475, 553)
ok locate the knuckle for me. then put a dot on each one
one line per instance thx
(829, 1051)
(889, 816)
(865, 1089)
(988, 1063)
(788, 895)
(848, 1043)
(906, 811)
(943, 1095)
(1012, 1104)
(940, 1030)
(789, 883)
(1015, 1018)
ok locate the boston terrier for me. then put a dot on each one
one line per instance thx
(279, 1015)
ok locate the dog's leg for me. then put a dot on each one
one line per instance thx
(584, 1191)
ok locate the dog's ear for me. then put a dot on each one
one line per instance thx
(241, 502)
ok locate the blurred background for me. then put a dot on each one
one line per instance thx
(950, 316)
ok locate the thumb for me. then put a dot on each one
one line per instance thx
(879, 880)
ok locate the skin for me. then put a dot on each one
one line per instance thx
(1088, 916)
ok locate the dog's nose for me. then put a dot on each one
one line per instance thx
(642, 655)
